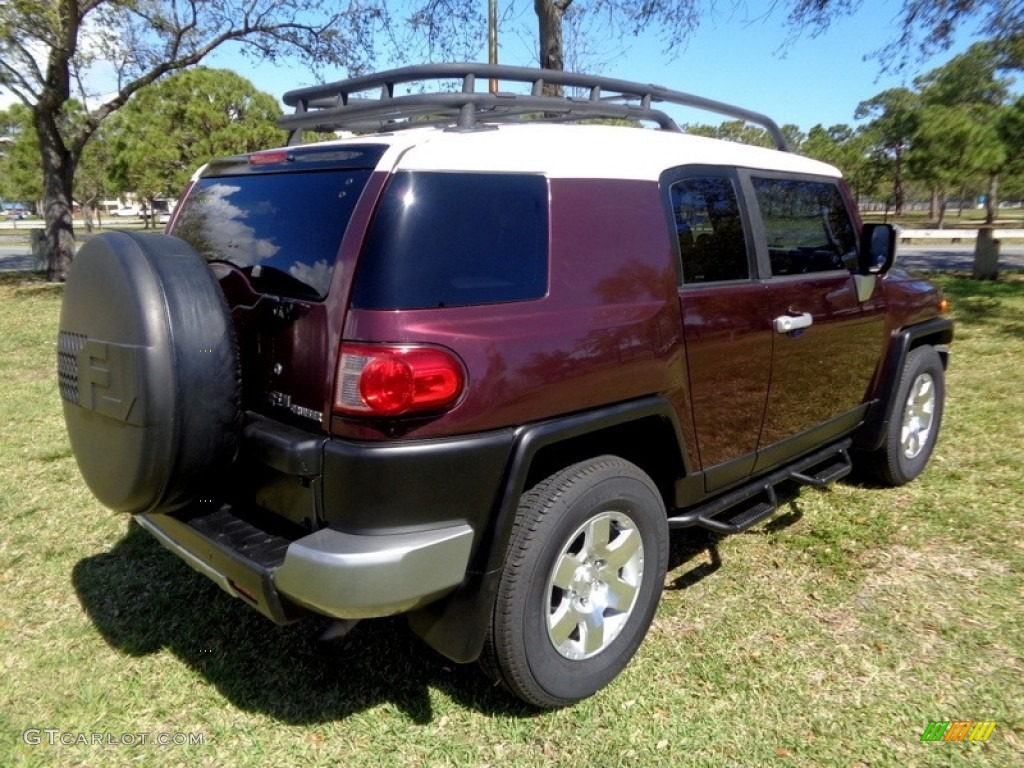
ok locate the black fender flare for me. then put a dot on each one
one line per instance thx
(457, 625)
(938, 332)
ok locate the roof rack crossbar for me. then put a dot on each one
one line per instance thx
(337, 106)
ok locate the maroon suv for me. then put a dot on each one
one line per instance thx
(473, 367)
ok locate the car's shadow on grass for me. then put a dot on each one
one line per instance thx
(143, 599)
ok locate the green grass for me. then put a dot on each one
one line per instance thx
(830, 635)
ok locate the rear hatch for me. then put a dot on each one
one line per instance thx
(273, 225)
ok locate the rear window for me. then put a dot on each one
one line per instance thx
(282, 229)
(455, 239)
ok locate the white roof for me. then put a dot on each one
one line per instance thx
(575, 151)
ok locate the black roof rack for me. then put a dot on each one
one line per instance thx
(333, 106)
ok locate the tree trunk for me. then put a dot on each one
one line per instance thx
(58, 178)
(992, 204)
(933, 207)
(552, 54)
(897, 185)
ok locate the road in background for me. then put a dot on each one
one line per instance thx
(954, 258)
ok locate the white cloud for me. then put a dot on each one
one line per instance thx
(232, 238)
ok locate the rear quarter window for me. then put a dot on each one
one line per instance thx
(455, 239)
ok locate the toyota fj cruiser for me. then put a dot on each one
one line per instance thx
(473, 367)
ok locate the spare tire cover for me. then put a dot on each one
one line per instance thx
(148, 372)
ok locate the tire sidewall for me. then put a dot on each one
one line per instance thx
(565, 680)
(145, 325)
(923, 360)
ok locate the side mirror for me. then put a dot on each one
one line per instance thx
(877, 249)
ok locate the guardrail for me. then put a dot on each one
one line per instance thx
(956, 235)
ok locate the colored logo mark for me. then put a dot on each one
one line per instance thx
(958, 730)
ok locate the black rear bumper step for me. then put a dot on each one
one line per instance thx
(236, 554)
(747, 505)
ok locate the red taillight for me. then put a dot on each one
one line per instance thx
(389, 380)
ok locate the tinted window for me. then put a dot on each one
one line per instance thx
(710, 230)
(455, 239)
(807, 226)
(283, 229)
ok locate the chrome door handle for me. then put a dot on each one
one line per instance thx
(790, 323)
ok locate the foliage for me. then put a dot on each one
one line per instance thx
(925, 27)
(734, 130)
(49, 49)
(1011, 130)
(170, 129)
(957, 138)
(894, 119)
(19, 157)
(849, 150)
(952, 144)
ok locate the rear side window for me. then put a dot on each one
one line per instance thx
(807, 226)
(455, 239)
(282, 229)
(710, 230)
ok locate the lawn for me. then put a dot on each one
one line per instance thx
(830, 635)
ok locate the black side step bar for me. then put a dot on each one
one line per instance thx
(747, 505)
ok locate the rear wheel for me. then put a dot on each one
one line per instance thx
(580, 584)
(914, 420)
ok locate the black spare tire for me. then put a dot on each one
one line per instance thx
(148, 372)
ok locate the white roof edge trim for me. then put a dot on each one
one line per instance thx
(570, 151)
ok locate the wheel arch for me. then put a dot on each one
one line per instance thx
(645, 432)
(937, 333)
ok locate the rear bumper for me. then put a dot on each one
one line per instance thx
(329, 572)
(342, 528)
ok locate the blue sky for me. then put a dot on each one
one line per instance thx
(756, 64)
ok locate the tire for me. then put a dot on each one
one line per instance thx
(915, 416)
(148, 372)
(580, 584)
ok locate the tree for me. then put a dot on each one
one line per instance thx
(952, 144)
(849, 151)
(894, 116)
(49, 49)
(925, 27)
(1010, 126)
(19, 157)
(737, 131)
(166, 131)
(92, 178)
(966, 96)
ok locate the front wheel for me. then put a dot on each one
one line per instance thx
(581, 582)
(914, 420)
